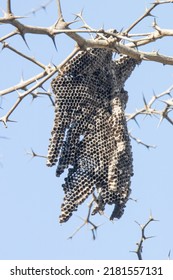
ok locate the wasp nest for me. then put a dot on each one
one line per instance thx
(90, 135)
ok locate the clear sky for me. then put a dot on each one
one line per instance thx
(30, 193)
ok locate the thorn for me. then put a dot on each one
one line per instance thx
(154, 24)
(156, 52)
(79, 15)
(20, 17)
(34, 95)
(4, 45)
(160, 121)
(138, 223)
(42, 88)
(83, 26)
(22, 78)
(4, 121)
(54, 42)
(135, 44)
(60, 16)
(43, 7)
(4, 137)
(24, 39)
(168, 102)
(151, 216)
(33, 12)
(12, 121)
(154, 94)
(71, 22)
(145, 102)
(4, 12)
(169, 255)
(19, 94)
(149, 237)
(9, 10)
(150, 15)
(133, 199)
(33, 154)
(136, 122)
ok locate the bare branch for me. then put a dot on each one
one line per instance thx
(33, 60)
(5, 118)
(87, 221)
(151, 37)
(141, 142)
(139, 244)
(149, 110)
(23, 84)
(48, 74)
(8, 36)
(110, 43)
(147, 13)
(33, 154)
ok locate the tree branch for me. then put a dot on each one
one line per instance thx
(149, 110)
(139, 244)
(87, 221)
(141, 142)
(147, 13)
(33, 60)
(13, 33)
(48, 74)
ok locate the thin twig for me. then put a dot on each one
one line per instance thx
(47, 75)
(33, 60)
(87, 221)
(141, 142)
(33, 154)
(139, 244)
(149, 110)
(147, 13)
(13, 33)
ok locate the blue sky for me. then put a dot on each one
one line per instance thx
(30, 193)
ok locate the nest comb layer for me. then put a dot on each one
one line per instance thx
(89, 134)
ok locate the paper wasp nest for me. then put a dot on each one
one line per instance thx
(90, 135)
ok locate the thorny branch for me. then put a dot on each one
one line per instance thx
(139, 244)
(139, 141)
(123, 42)
(149, 110)
(45, 75)
(87, 221)
(146, 14)
(105, 39)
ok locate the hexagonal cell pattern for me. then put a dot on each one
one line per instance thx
(90, 131)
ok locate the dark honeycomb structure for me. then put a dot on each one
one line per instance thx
(90, 135)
